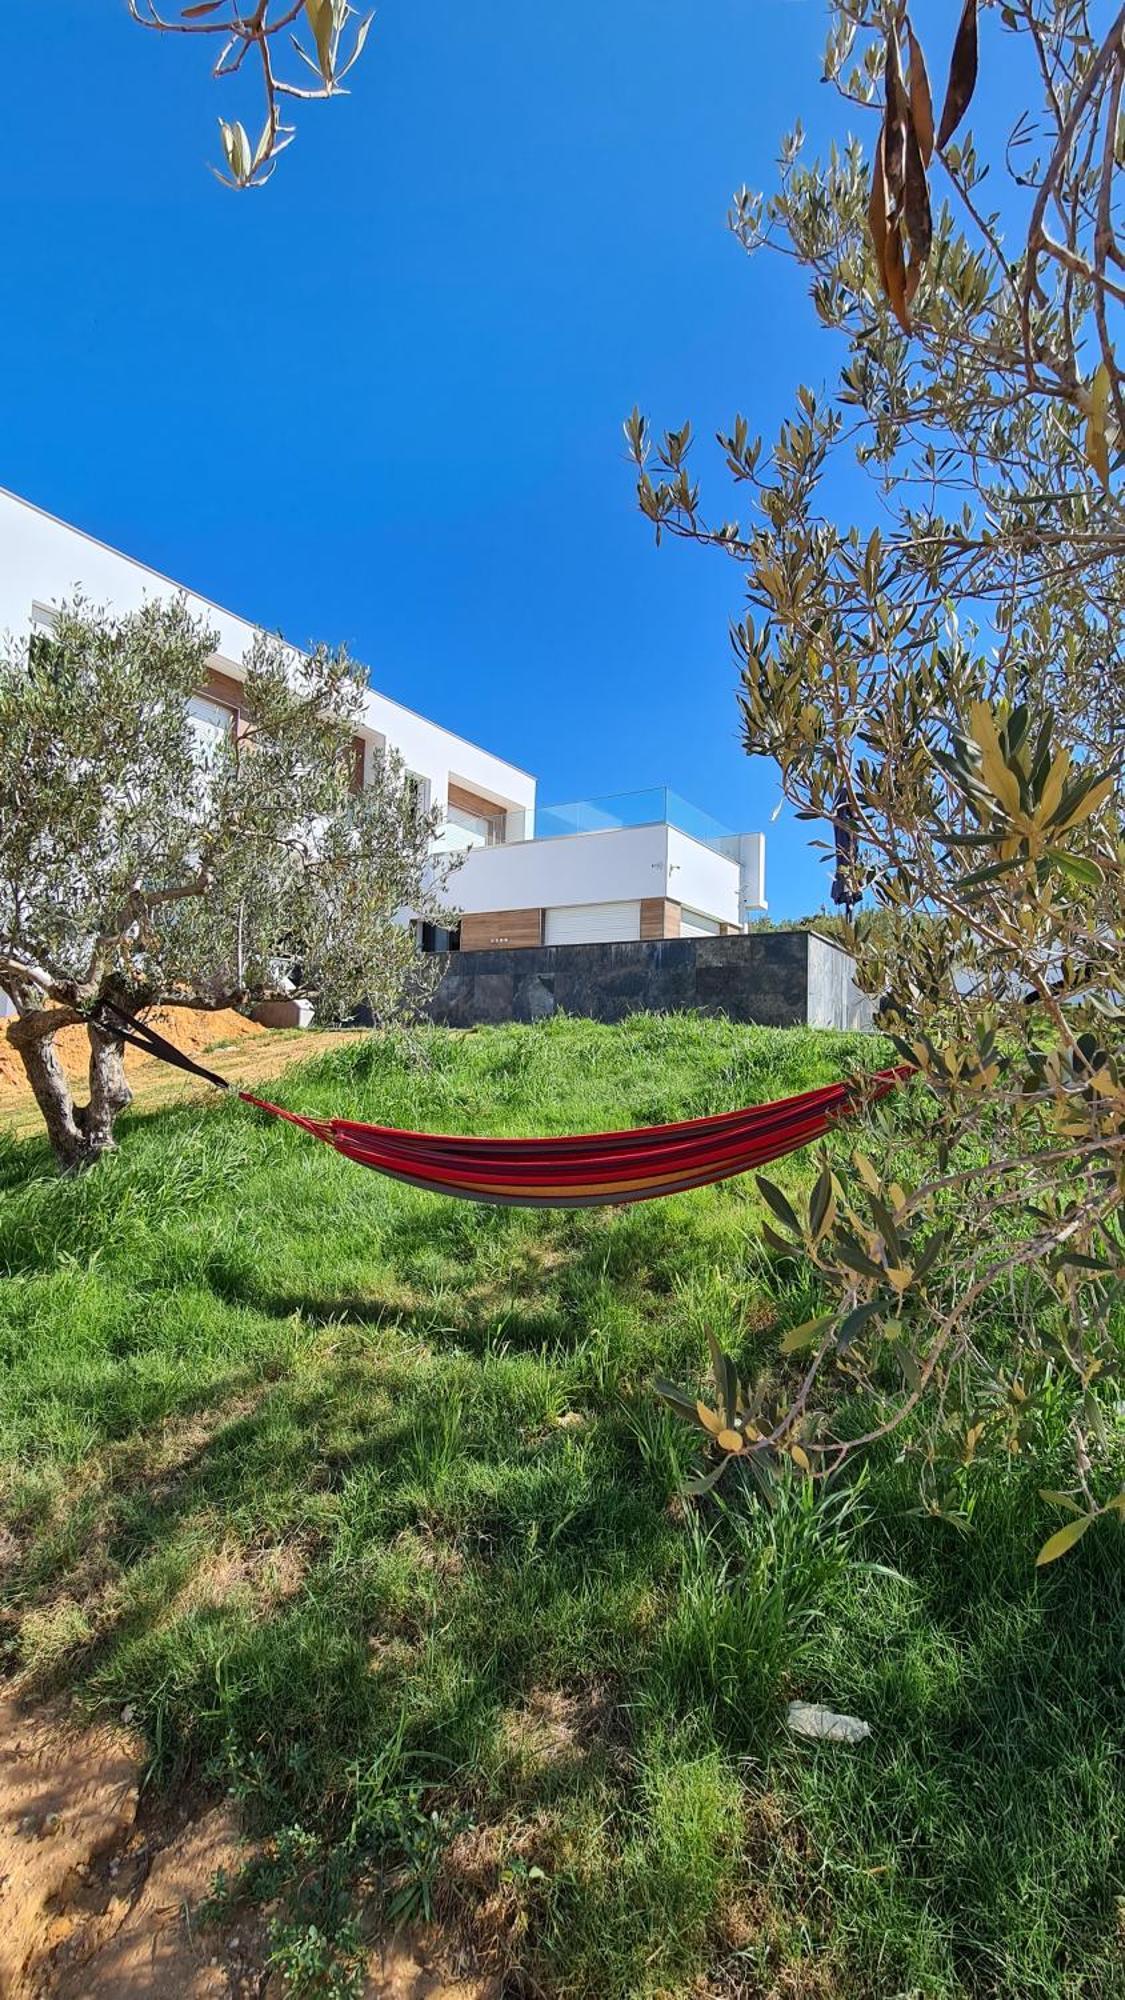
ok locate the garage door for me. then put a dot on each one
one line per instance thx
(694, 924)
(592, 923)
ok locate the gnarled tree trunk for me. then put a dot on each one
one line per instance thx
(109, 1092)
(78, 1133)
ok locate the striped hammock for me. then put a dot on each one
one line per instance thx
(588, 1170)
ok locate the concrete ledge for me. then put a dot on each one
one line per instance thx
(779, 979)
(283, 1013)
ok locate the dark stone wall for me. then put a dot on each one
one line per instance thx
(778, 979)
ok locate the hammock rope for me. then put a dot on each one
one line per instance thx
(585, 1170)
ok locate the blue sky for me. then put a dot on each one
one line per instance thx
(380, 402)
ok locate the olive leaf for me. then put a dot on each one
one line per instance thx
(1097, 438)
(1062, 1540)
(321, 19)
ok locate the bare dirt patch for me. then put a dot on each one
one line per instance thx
(190, 1029)
(235, 1048)
(102, 1891)
(550, 1729)
(413, 1968)
(95, 1899)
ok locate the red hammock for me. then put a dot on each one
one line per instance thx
(588, 1170)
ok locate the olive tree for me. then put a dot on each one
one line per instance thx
(143, 864)
(936, 662)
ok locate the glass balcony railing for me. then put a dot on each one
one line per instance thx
(487, 828)
(653, 807)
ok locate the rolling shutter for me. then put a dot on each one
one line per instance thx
(592, 923)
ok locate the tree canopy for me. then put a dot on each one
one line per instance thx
(143, 862)
(936, 665)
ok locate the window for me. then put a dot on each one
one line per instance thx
(212, 724)
(431, 937)
(42, 647)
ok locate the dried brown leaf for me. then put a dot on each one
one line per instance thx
(894, 265)
(921, 100)
(894, 128)
(962, 74)
(877, 215)
(916, 201)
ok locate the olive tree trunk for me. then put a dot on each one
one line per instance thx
(78, 1133)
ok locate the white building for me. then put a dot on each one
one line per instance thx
(642, 865)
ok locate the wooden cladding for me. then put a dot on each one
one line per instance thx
(226, 692)
(472, 802)
(359, 763)
(512, 928)
(224, 688)
(660, 918)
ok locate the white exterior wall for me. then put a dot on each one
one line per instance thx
(42, 560)
(623, 864)
(702, 880)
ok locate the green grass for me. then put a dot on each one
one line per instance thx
(362, 1499)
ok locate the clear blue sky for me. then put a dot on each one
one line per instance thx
(380, 402)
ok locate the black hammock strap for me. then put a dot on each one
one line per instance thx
(142, 1035)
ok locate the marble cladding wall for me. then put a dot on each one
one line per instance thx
(779, 979)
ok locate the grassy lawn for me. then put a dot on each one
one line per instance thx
(362, 1499)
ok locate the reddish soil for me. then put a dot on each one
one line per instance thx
(231, 1045)
(190, 1029)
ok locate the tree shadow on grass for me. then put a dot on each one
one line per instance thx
(393, 1615)
(445, 1560)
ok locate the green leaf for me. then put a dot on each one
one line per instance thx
(1061, 1500)
(1062, 1540)
(704, 1481)
(1079, 867)
(676, 1399)
(781, 1244)
(782, 1208)
(726, 1378)
(849, 1253)
(805, 1335)
(321, 20)
(858, 1318)
(822, 1204)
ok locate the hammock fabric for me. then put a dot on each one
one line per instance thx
(589, 1170)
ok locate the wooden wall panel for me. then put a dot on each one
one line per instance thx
(660, 918)
(471, 802)
(224, 688)
(515, 928)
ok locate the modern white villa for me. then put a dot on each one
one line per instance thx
(644, 864)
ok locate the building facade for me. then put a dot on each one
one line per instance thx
(641, 865)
